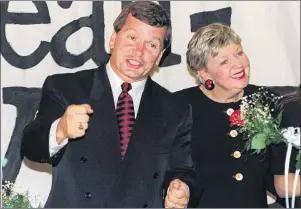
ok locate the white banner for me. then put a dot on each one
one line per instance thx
(43, 38)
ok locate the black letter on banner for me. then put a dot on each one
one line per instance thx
(100, 55)
(64, 4)
(96, 51)
(201, 19)
(168, 58)
(26, 101)
(42, 17)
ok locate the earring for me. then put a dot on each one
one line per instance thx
(209, 84)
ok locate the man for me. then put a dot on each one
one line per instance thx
(115, 138)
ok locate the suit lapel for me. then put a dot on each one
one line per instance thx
(103, 127)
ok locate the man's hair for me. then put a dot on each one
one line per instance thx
(150, 13)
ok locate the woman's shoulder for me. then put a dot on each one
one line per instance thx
(187, 93)
(252, 88)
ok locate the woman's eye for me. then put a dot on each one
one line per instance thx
(224, 62)
(240, 53)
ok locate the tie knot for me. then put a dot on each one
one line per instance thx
(126, 86)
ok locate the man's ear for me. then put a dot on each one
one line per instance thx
(159, 57)
(112, 40)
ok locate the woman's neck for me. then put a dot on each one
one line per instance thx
(222, 95)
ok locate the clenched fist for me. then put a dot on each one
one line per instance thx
(178, 195)
(74, 122)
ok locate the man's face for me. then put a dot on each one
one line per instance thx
(136, 48)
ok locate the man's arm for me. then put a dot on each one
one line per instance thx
(54, 146)
(35, 140)
(181, 165)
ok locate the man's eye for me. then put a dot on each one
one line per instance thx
(132, 38)
(153, 46)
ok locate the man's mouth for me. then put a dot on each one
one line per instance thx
(133, 63)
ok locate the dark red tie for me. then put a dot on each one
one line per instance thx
(125, 116)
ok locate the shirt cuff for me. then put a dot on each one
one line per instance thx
(54, 147)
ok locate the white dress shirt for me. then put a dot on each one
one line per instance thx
(115, 82)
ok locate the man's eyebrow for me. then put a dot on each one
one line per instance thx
(129, 28)
(153, 38)
(157, 38)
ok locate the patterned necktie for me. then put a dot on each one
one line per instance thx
(125, 116)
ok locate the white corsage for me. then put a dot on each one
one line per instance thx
(291, 136)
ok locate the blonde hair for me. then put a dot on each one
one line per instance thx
(208, 40)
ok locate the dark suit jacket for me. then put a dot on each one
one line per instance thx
(89, 172)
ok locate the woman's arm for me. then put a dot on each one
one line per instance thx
(279, 183)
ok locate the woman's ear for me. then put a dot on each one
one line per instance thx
(203, 75)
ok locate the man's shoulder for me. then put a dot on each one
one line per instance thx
(162, 90)
(70, 83)
(72, 76)
(186, 93)
(163, 93)
(169, 99)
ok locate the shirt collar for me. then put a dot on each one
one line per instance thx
(137, 87)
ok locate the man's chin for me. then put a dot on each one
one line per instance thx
(135, 76)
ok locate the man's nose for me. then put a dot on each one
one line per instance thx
(138, 50)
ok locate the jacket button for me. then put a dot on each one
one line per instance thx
(88, 195)
(144, 205)
(230, 111)
(233, 133)
(238, 176)
(83, 159)
(155, 175)
(236, 154)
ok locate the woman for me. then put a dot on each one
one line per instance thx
(291, 117)
(231, 177)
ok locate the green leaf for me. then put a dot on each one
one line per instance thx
(258, 141)
(267, 130)
(279, 118)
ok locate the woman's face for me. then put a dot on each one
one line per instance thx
(229, 69)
